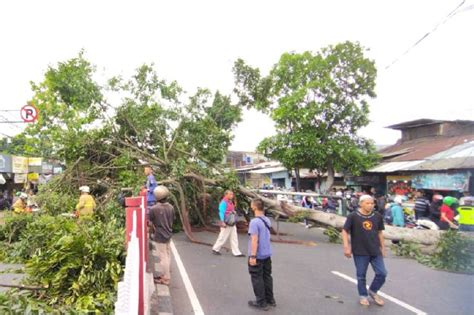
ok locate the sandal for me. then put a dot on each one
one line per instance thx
(377, 299)
(364, 302)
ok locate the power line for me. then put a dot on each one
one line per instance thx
(449, 16)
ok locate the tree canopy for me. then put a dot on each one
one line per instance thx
(319, 101)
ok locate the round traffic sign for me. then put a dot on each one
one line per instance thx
(29, 113)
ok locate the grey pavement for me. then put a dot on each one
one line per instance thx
(304, 284)
(8, 276)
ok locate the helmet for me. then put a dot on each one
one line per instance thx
(161, 192)
(84, 189)
(23, 196)
(449, 201)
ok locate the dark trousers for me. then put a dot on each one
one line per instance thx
(262, 281)
(362, 264)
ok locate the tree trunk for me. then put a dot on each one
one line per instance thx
(426, 237)
(330, 178)
(297, 175)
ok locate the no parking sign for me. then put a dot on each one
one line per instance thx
(29, 113)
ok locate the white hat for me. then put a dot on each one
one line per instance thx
(338, 193)
(23, 196)
(85, 189)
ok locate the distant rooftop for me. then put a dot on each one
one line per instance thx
(426, 122)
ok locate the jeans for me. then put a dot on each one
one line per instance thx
(362, 264)
(262, 281)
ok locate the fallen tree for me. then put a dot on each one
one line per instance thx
(425, 237)
(183, 138)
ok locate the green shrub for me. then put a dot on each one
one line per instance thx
(81, 267)
(55, 203)
(299, 216)
(406, 249)
(454, 252)
(334, 235)
(14, 224)
(37, 235)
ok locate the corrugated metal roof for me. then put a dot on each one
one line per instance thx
(444, 164)
(459, 151)
(394, 166)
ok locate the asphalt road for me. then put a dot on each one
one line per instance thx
(304, 282)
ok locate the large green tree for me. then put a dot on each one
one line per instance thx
(319, 102)
(69, 101)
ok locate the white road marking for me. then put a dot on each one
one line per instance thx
(386, 296)
(197, 309)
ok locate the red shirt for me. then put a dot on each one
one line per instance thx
(448, 212)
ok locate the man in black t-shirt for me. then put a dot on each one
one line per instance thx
(365, 230)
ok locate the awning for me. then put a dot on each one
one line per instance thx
(269, 170)
(394, 166)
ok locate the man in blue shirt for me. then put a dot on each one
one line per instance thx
(260, 262)
(150, 186)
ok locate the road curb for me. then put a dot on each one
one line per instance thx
(160, 303)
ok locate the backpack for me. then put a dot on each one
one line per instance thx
(230, 219)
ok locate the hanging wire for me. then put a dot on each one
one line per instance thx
(449, 16)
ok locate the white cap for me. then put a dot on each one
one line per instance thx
(23, 196)
(85, 189)
(339, 194)
(398, 199)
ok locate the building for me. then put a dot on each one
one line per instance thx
(434, 155)
(237, 159)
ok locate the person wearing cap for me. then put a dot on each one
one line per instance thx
(398, 218)
(365, 230)
(447, 213)
(162, 217)
(20, 205)
(86, 204)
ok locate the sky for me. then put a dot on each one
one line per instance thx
(197, 42)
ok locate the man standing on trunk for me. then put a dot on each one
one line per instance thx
(226, 209)
(365, 229)
(162, 218)
(150, 186)
(260, 261)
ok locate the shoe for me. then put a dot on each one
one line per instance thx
(239, 255)
(272, 303)
(377, 299)
(262, 307)
(215, 252)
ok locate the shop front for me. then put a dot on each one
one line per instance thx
(400, 185)
(448, 183)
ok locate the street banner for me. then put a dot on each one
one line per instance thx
(35, 165)
(20, 178)
(19, 165)
(46, 167)
(5, 163)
